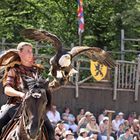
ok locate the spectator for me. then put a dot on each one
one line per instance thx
(83, 135)
(126, 124)
(135, 128)
(131, 117)
(69, 135)
(92, 125)
(121, 115)
(69, 120)
(127, 135)
(139, 118)
(104, 127)
(116, 123)
(120, 131)
(102, 115)
(53, 115)
(93, 137)
(60, 130)
(93, 128)
(134, 115)
(80, 115)
(84, 121)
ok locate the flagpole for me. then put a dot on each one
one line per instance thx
(80, 39)
(80, 30)
(80, 20)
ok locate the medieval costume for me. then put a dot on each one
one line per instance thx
(13, 77)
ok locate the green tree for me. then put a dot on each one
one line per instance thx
(103, 20)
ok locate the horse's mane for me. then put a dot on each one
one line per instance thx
(49, 97)
(40, 82)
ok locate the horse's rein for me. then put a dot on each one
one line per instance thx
(23, 116)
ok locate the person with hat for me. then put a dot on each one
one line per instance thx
(104, 127)
(121, 117)
(93, 128)
(83, 134)
(103, 124)
(84, 120)
(18, 62)
(69, 135)
(60, 130)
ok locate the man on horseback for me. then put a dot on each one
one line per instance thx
(18, 62)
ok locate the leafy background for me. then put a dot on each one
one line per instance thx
(104, 20)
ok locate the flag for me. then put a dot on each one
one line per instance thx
(80, 17)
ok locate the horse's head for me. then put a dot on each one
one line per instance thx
(34, 108)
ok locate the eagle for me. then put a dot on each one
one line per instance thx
(61, 63)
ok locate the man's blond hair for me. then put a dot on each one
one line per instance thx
(21, 45)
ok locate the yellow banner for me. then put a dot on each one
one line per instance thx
(98, 70)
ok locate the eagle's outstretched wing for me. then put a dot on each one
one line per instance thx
(8, 57)
(95, 54)
(41, 35)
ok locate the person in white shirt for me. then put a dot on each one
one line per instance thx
(121, 115)
(53, 115)
(116, 123)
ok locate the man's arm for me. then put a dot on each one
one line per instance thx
(9, 84)
(80, 123)
(12, 92)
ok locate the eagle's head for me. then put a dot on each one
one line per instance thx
(65, 60)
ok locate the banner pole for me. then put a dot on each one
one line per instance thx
(80, 39)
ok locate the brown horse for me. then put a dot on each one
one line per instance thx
(30, 124)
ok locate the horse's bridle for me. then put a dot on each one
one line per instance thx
(24, 116)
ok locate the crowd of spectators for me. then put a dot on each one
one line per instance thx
(87, 126)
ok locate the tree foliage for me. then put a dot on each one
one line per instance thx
(103, 20)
